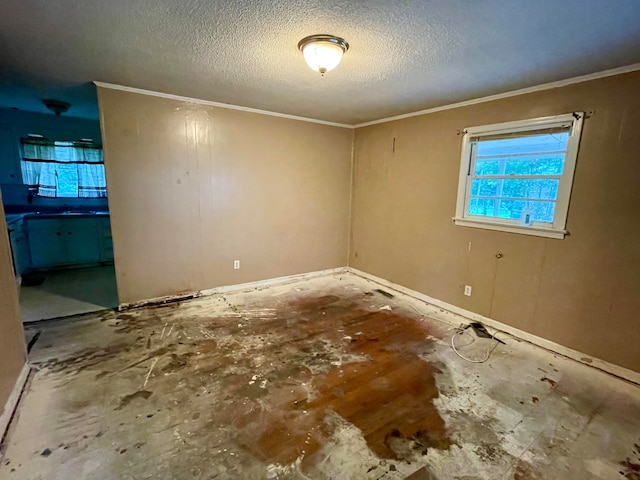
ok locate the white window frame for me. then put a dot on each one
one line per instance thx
(552, 230)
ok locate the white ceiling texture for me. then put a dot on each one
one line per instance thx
(405, 55)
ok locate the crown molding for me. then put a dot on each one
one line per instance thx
(523, 91)
(538, 88)
(209, 103)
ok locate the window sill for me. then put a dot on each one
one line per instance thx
(512, 228)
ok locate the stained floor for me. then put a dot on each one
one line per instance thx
(320, 379)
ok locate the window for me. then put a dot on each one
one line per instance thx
(517, 176)
(63, 169)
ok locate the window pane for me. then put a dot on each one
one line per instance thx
(485, 187)
(487, 167)
(481, 206)
(544, 189)
(511, 209)
(549, 164)
(549, 142)
(67, 176)
(542, 211)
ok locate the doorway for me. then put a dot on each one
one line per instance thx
(55, 202)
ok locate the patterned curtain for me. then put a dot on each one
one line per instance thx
(91, 181)
(49, 168)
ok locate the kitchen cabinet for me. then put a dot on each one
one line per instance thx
(61, 241)
(46, 243)
(19, 244)
(106, 241)
(81, 240)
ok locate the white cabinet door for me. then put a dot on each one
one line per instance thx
(64, 241)
(46, 243)
(81, 237)
(20, 250)
(106, 241)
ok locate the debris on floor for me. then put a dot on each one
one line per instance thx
(317, 379)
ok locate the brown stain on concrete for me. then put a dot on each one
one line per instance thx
(553, 383)
(388, 394)
(85, 358)
(282, 374)
(137, 320)
(421, 474)
(631, 471)
(127, 399)
(631, 467)
(523, 471)
(261, 379)
(177, 361)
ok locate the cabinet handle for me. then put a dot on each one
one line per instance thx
(58, 233)
(68, 233)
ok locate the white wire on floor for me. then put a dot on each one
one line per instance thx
(461, 332)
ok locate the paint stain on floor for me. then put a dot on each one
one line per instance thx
(631, 466)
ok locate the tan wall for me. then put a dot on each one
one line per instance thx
(13, 354)
(582, 292)
(193, 187)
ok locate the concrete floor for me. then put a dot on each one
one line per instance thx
(321, 379)
(69, 292)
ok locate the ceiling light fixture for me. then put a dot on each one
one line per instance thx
(56, 106)
(323, 52)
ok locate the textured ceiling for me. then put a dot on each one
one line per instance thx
(404, 56)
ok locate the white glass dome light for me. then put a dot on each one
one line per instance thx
(323, 52)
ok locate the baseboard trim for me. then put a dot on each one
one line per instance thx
(13, 400)
(583, 358)
(270, 282)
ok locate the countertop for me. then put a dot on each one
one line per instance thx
(13, 218)
(32, 216)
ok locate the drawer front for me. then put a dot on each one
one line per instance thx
(80, 224)
(37, 224)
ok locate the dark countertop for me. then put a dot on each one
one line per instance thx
(13, 218)
(32, 216)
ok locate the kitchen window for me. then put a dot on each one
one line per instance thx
(517, 176)
(63, 168)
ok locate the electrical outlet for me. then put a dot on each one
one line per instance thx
(467, 290)
(236, 264)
